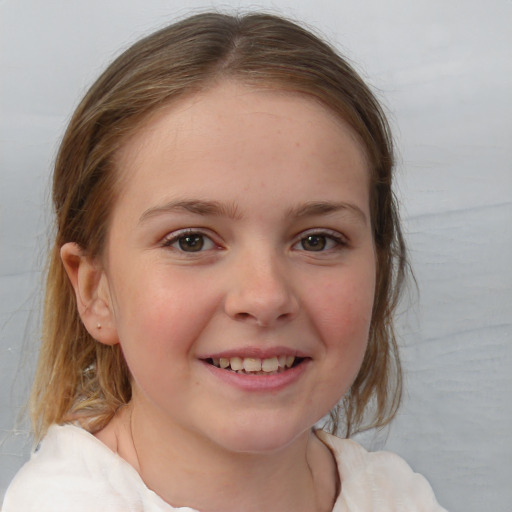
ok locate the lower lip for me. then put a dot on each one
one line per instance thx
(261, 383)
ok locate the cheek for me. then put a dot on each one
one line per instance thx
(159, 314)
(344, 307)
(157, 325)
(342, 312)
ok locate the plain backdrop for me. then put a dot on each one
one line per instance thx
(443, 69)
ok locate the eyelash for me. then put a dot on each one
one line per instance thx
(336, 238)
(324, 236)
(174, 238)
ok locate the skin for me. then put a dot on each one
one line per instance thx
(241, 169)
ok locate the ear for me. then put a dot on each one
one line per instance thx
(92, 293)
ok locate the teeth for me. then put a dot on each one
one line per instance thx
(270, 365)
(254, 364)
(236, 363)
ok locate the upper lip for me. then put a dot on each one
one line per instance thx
(255, 352)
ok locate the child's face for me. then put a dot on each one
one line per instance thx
(241, 235)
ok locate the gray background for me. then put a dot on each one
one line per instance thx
(444, 70)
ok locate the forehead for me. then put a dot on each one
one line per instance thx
(230, 105)
(227, 129)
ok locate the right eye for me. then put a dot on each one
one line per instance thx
(189, 241)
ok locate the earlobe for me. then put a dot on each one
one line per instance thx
(92, 293)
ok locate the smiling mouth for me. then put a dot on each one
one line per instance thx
(256, 366)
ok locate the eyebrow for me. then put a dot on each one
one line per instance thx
(195, 206)
(326, 207)
(217, 209)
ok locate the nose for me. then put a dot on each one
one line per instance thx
(261, 292)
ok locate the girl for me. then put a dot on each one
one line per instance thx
(226, 265)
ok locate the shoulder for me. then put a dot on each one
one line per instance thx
(72, 470)
(377, 481)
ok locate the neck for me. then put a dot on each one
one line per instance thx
(176, 464)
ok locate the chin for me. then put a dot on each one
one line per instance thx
(259, 436)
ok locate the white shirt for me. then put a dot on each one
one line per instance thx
(72, 471)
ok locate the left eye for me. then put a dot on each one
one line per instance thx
(317, 242)
(190, 242)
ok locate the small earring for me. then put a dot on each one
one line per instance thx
(98, 326)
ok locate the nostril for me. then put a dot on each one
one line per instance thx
(261, 320)
(261, 309)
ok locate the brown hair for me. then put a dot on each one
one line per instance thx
(80, 379)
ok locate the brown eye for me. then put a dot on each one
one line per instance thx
(191, 243)
(314, 243)
(320, 241)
